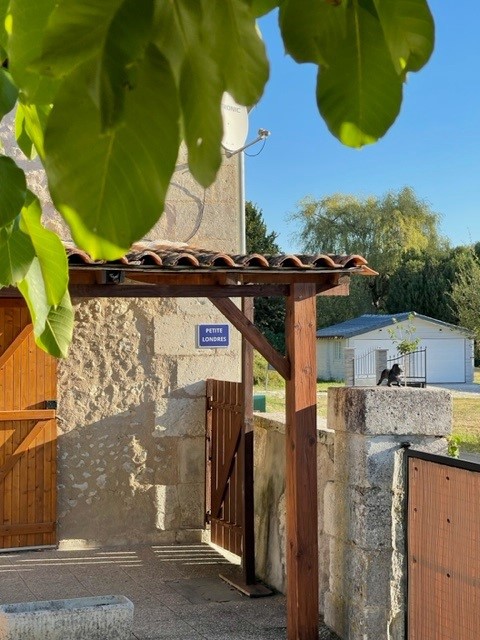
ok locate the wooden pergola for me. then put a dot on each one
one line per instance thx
(222, 278)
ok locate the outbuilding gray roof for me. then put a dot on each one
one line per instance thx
(371, 322)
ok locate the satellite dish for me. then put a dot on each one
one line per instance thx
(235, 124)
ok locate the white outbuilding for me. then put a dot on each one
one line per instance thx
(449, 348)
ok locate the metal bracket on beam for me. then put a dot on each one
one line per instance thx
(111, 276)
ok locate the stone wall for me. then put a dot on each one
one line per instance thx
(270, 501)
(132, 422)
(365, 510)
(361, 502)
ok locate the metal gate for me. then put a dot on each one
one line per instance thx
(443, 548)
(224, 486)
(28, 433)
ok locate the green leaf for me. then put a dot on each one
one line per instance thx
(232, 39)
(16, 254)
(52, 325)
(261, 7)
(177, 27)
(312, 31)
(13, 190)
(359, 94)
(201, 91)
(49, 250)
(30, 123)
(75, 32)
(8, 93)
(409, 32)
(121, 178)
(3, 15)
(29, 20)
(125, 45)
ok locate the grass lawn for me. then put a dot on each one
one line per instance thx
(466, 412)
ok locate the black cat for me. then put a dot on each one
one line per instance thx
(391, 375)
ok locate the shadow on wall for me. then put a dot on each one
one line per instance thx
(135, 477)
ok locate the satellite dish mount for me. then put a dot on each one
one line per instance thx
(235, 127)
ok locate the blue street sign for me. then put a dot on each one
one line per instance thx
(213, 336)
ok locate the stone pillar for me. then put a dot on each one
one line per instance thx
(380, 362)
(365, 504)
(349, 355)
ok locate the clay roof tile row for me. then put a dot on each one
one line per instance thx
(171, 255)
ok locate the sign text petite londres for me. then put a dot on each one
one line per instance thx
(213, 336)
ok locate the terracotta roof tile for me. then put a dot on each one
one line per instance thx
(171, 255)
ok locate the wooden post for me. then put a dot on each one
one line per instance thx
(301, 465)
(248, 556)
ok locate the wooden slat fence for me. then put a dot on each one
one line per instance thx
(225, 464)
(443, 548)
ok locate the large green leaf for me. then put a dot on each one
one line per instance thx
(261, 7)
(3, 14)
(58, 332)
(232, 39)
(359, 94)
(75, 32)
(409, 32)
(52, 325)
(125, 44)
(8, 93)
(312, 31)
(111, 188)
(29, 20)
(49, 250)
(30, 123)
(16, 254)
(201, 90)
(177, 27)
(13, 190)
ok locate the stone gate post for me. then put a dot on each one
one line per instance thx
(349, 363)
(364, 505)
(380, 362)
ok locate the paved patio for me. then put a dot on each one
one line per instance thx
(176, 591)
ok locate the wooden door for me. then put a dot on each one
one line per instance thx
(28, 433)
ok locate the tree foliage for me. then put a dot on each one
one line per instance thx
(269, 312)
(107, 92)
(258, 238)
(465, 298)
(381, 229)
(425, 280)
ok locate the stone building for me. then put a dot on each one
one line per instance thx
(131, 394)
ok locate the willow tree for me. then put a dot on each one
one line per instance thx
(381, 229)
(102, 82)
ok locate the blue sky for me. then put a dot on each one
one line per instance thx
(433, 147)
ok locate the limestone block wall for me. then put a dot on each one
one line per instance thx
(131, 412)
(208, 218)
(270, 501)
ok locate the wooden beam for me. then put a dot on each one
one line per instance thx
(174, 291)
(250, 332)
(27, 414)
(301, 466)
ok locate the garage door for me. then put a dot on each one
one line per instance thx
(445, 360)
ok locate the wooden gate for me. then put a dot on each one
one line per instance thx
(443, 548)
(28, 380)
(224, 486)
